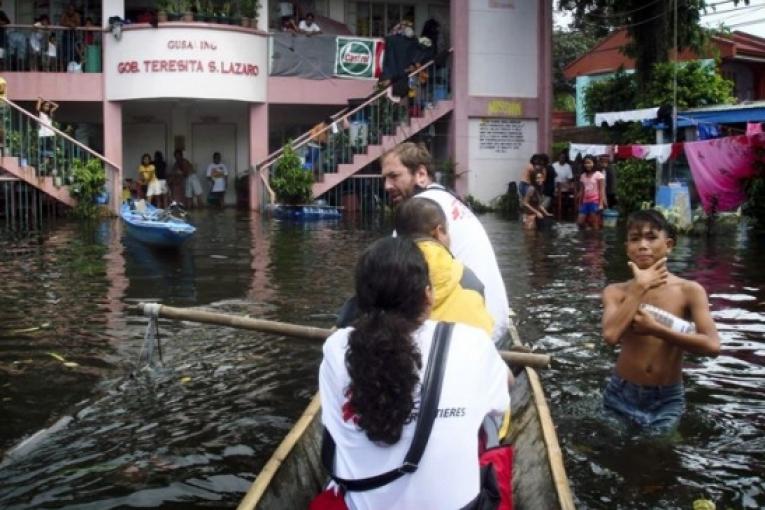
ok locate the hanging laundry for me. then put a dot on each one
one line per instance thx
(581, 149)
(707, 131)
(660, 152)
(752, 128)
(718, 166)
(612, 118)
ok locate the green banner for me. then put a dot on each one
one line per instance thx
(358, 57)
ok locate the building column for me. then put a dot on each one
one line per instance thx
(113, 151)
(458, 129)
(111, 8)
(544, 84)
(258, 150)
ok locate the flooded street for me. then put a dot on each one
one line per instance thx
(195, 433)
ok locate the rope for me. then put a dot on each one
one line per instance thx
(151, 341)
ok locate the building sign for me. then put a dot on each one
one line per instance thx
(358, 57)
(186, 62)
(500, 136)
(505, 108)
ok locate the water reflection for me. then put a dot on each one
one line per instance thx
(195, 433)
(560, 312)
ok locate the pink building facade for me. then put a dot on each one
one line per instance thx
(207, 87)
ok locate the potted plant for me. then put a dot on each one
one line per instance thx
(163, 6)
(225, 13)
(255, 14)
(245, 11)
(185, 8)
(173, 10)
(291, 182)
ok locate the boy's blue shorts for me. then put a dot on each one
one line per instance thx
(589, 208)
(655, 409)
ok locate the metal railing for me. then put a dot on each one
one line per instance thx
(48, 48)
(45, 147)
(352, 130)
(22, 206)
(360, 194)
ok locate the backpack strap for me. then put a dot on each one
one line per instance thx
(429, 397)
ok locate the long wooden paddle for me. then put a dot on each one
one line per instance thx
(525, 359)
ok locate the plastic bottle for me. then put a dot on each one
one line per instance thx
(673, 322)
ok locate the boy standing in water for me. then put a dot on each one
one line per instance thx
(646, 388)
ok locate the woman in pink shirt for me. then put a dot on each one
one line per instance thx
(591, 195)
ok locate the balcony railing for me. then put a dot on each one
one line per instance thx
(355, 128)
(54, 49)
(46, 148)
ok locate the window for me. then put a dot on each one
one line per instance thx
(376, 19)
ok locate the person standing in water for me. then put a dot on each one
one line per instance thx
(647, 316)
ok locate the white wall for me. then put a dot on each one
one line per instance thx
(186, 62)
(499, 151)
(503, 46)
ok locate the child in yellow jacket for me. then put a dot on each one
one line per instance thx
(458, 293)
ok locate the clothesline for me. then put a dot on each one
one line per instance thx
(718, 166)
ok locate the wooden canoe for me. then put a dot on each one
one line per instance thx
(294, 474)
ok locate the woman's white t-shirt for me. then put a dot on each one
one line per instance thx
(475, 384)
(44, 130)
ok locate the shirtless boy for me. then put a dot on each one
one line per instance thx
(646, 388)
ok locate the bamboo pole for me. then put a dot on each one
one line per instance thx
(526, 359)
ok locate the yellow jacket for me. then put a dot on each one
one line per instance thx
(457, 292)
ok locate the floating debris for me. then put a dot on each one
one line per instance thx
(703, 504)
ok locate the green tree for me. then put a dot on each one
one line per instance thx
(88, 180)
(697, 85)
(567, 47)
(613, 94)
(635, 184)
(649, 23)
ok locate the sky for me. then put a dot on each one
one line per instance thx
(746, 18)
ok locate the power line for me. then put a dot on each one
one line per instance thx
(750, 22)
(622, 14)
(628, 25)
(757, 6)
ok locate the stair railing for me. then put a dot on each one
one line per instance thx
(50, 156)
(352, 130)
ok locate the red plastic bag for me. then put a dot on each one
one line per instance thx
(328, 499)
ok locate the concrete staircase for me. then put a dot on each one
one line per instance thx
(373, 152)
(28, 174)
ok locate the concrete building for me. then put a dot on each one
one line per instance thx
(205, 86)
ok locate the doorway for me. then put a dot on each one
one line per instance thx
(209, 138)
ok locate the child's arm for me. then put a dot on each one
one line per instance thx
(602, 188)
(704, 341)
(621, 304)
(527, 205)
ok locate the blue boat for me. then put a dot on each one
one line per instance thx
(305, 212)
(157, 227)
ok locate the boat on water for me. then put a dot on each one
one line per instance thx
(294, 474)
(154, 226)
(305, 212)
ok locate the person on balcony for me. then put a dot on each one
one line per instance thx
(288, 25)
(308, 26)
(4, 20)
(38, 42)
(70, 19)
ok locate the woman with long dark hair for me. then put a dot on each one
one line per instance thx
(370, 379)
